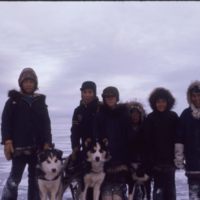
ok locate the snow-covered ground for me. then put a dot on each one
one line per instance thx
(62, 141)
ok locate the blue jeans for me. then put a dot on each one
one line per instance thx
(10, 190)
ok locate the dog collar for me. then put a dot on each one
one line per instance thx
(96, 172)
(43, 178)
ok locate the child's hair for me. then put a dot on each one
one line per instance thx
(161, 93)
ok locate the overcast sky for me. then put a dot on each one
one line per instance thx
(135, 46)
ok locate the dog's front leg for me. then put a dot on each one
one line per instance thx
(42, 191)
(43, 196)
(131, 195)
(54, 196)
(144, 193)
(96, 192)
(84, 193)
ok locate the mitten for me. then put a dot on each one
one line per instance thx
(8, 149)
(179, 156)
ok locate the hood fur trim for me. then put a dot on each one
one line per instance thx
(136, 105)
(161, 93)
(192, 85)
(195, 111)
(14, 94)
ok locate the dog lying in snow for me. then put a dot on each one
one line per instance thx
(50, 169)
(97, 155)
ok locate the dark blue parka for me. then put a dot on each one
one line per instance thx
(160, 133)
(26, 121)
(189, 135)
(83, 122)
(115, 126)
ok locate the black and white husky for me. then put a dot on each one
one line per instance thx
(50, 168)
(97, 155)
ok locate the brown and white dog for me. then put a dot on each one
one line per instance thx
(97, 155)
(50, 169)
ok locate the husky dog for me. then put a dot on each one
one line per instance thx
(138, 181)
(97, 155)
(50, 169)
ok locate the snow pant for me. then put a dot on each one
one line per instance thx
(164, 183)
(114, 189)
(194, 187)
(138, 193)
(10, 190)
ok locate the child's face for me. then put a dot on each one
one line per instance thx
(111, 101)
(195, 98)
(135, 116)
(87, 95)
(28, 86)
(161, 105)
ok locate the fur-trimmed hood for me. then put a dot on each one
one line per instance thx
(161, 93)
(16, 95)
(138, 106)
(191, 86)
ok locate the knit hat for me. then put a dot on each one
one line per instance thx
(88, 85)
(28, 73)
(110, 91)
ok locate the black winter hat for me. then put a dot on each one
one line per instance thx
(110, 91)
(28, 73)
(161, 93)
(89, 85)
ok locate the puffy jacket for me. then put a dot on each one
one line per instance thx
(26, 121)
(160, 132)
(83, 123)
(189, 134)
(115, 126)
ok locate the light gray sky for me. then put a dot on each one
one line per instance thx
(135, 46)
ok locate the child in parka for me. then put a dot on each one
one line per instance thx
(136, 147)
(25, 130)
(160, 130)
(112, 125)
(82, 129)
(187, 147)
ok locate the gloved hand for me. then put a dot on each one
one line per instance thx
(179, 156)
(47, 146)
(87, 142)
(8, 149)
(74, 153)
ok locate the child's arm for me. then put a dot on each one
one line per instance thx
(47, 128)
(6, 125)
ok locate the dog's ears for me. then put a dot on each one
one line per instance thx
(105, 141)
(59, 153)
(41, 156)
(88, 142)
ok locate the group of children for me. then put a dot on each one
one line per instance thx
(160, 142)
